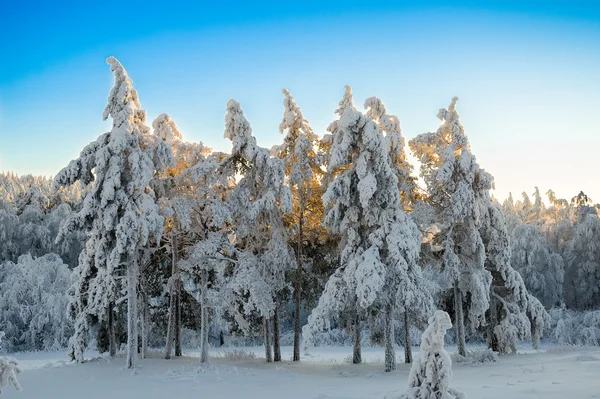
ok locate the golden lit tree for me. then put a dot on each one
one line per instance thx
(303, 174)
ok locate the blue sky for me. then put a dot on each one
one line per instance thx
(527, 74)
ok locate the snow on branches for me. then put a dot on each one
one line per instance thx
(119, 211)
(430, 375)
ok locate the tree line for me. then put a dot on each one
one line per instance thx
(149, 234)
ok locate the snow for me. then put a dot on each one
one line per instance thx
(326, 373)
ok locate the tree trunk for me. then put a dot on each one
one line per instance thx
(356, 356)
(203, 321)
(177, 314)
(172, 301)
(132, 314)
(144, 324)
(297, 291)
(112, 344)
(276, 344)
(388, 338)
(459, 320)
(267, 338)
(493, 322)
(407, 348)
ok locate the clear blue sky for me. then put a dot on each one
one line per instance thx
(527, 74)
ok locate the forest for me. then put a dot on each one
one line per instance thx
(149, 241)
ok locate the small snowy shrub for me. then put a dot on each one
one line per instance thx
(9, 368)
(476, 356)
(571, 327)
(430, 374)
(239, 354)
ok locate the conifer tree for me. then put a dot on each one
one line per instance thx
(256, 205)
(457, 189)
(380, 244)
(303, 172)
(119, 212)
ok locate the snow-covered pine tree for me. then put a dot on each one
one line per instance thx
(380, 244)
(456, 187)
(303, 172)
(327, 140)
(390, 125)
(514, 314)
(559, 227)
(430, 375)
(200, 189)
(414, 296)
(119, 212)
(542, 270)
(256, 204)
(177, 202)
(32, 303)
(582, 277)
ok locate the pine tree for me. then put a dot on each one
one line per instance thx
(303, 171)
(256, 205)
(119, 212)
(415, 294)
(176, 199)
(583, 265)
(514, 313)
(457, 189)
(380, 244)
(542, 270)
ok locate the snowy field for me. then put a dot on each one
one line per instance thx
(325, 373)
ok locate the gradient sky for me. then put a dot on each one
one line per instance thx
(527, 74)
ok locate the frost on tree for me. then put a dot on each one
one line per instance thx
(118, 213)
(430, 375)
(379, 243)
(32, 303)
(458, 189)
(9, 368)
(256, 205)
(179, 189)
(303, 172)
(390, 125)
(542, 270)
(583, 265)
(514, 314)
(197, 222)
(327, 141)
(415, 292)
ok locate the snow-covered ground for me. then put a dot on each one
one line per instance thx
(325, 373)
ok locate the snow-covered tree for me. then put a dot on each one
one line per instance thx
(542, 270)
(176, 198)
(380, 244)
(415, 291)
(303, 171)
(390, 125)
(9, 368)
(32, 303)
(431, 374)
(119, 212)
(582, 275)
(458, 188)
(514, 314)
(256, 205)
